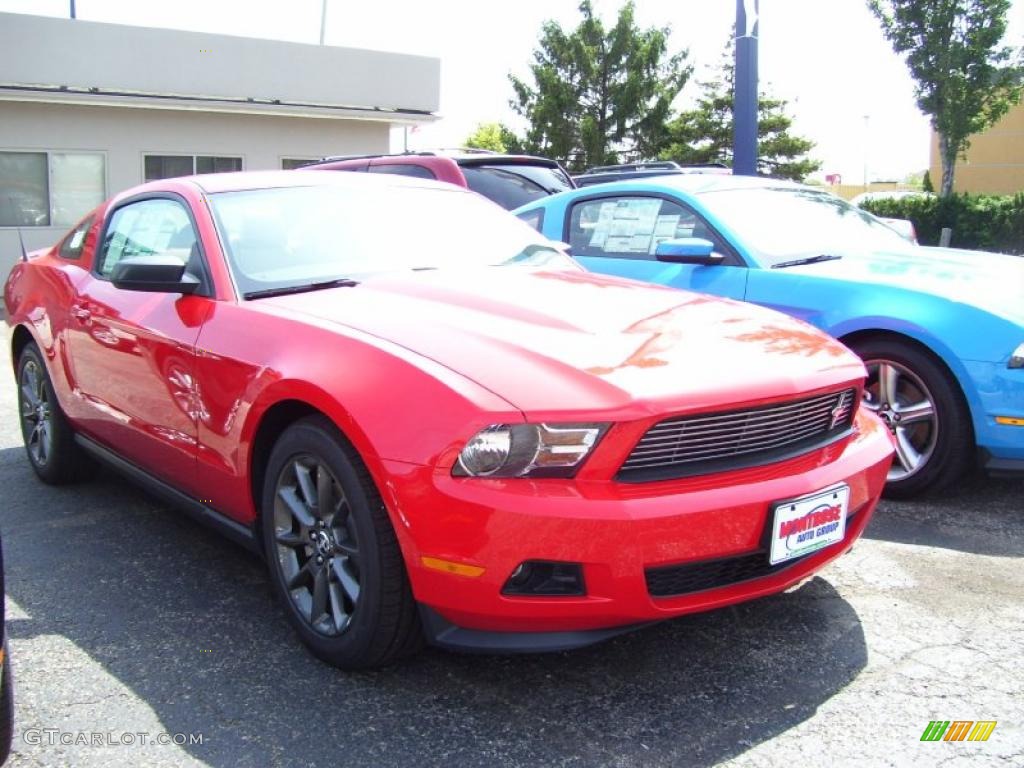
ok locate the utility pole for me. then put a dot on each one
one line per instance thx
(744, 141)
(323, 19)
(72, 9)
(867, 146)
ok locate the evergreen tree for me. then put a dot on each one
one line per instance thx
(704, 134)
(600, 95)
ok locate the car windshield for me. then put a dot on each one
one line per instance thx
(785, 223)
(294, 236)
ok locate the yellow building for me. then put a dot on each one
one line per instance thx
(995, 160)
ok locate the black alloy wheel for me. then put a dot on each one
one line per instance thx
(334, 560)
(49, 439)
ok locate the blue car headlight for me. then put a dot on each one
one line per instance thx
(1017, 358)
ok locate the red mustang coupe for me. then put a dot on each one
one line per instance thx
(429, 420)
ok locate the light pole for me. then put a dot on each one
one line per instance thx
(867, 141)
(323, 19)
(744, 139)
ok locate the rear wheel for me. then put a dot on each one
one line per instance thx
(924, 409)
(49, 439)
(334, 560)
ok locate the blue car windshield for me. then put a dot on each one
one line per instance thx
(290, 236)
(784, 223)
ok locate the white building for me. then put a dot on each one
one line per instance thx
(89, 109)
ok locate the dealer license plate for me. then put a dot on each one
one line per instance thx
(807, 524)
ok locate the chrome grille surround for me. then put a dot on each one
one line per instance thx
(693, 445)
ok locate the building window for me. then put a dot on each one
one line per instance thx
(50, 189)
(291, 163)
(169, 166)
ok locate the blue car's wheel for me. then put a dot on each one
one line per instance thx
(922, 406)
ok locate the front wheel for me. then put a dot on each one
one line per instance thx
(921, 404)
(333, 557)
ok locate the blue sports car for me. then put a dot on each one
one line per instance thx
(941, 331)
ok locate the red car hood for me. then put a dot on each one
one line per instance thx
(575, 341)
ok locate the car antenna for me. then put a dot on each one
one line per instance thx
(21, 239)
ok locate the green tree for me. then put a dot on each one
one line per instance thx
(954, 51)
(704, 134)
(496, 137)
(599, 95)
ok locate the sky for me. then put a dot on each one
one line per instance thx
(847, 91)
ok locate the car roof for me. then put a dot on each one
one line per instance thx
(476, 159)
(462, 156)
(246, 180)
(692, 183)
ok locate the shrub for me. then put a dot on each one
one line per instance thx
(979, 222)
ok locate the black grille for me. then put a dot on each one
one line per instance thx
(694, 445)
(676, 580)
(695, 577)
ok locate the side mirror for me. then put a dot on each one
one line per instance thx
(688, 250)
(158, 274)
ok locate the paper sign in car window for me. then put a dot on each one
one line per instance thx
(664, 229)
(633, 226)
(605, 216)
(76, 239)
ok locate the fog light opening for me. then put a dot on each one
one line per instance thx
(542, 578)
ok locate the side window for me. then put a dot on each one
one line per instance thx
(403, 169)
(632, 227)
(146, 228)
(72, 246)
(534, 218)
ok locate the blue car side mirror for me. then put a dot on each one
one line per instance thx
(688, 250)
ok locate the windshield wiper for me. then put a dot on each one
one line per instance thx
(807, 260)
(338, 282)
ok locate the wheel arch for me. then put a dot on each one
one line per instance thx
(293, 403)
(957, 374)
(924, 344)
(20, 338)
(272, 424)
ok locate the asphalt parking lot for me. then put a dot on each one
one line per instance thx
(128, 620)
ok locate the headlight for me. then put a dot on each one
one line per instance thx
(527, 450)
(1017, 358)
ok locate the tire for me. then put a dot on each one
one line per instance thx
(353, 607)
(6, 709)
(47, 434)
(934, 449)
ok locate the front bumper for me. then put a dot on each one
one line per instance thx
(999, 466)
(617, 531)
(998, 398)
